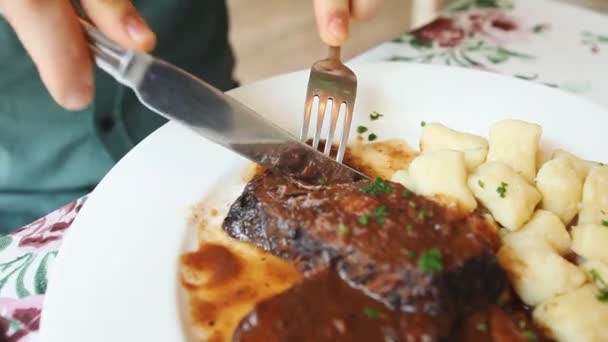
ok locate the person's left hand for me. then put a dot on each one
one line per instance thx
(333, 17)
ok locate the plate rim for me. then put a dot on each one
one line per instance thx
(59, 266)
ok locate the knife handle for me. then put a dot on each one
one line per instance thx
(108, 55)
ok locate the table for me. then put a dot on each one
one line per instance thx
(536, 40)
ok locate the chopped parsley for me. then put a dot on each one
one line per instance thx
(422, 123)
(502, 189)
(500, 302)
(529, 334)
(364, 219)
(431, 261)
(423, 214)
(521, 324)
(409, 253)
(378, 186)
(601, 284)
(372, 137)
(371, 313)
(343, 229)
(481, 184)
(605, 223)
(412, 204)
(407, 193)
(361, 129)
(380, 213)
(409, 227)
(482, 326)
(375, 116)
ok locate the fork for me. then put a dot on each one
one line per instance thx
(330, 80)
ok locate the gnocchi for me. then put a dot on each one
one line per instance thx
(582, 167)
(589, 241)
(515, 144)
(439, 137)
(535, 199)
(577, 316)
(543, 226)
(441, 175)
(594, 207)
(506, 194)
(597, 272)
(536, 271)
(561, 188)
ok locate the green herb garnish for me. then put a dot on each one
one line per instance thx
(423, 214)
(364, 219)
(409, 253)
(521, 324)
(378, 186)
(502, 189)
(407, 193)
(605, 223)
(481, 183)
(361, 129)
(431, 261)
(482, 326)
(601, 284)
(343, 229)
(371, 313)
(380, 213)
(372, 137)
(412, 204)
(422, 123)
(375, 115)
(529, 334)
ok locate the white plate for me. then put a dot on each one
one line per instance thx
(115, 278)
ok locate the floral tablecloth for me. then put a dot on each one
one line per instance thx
(537, 40)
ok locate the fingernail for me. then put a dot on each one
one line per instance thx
(337, 27)
(137, 28)
(78, 98)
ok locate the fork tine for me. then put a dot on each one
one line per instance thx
(348, 117)
(335, 111)
(307, 113)
(320, 119)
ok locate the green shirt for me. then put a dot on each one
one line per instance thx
(48, 156)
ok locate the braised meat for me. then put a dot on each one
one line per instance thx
(400, 249)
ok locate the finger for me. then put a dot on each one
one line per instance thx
(51, 34)
(121, 22)
(364, 9)
(332, 20)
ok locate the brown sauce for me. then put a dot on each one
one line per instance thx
(225, 281)
(325, 308)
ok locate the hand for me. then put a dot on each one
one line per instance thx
(333, 17)
(50, 32)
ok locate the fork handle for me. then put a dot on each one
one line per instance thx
(334, 52)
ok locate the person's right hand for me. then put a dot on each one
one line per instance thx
(50, 32)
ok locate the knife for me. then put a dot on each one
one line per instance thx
(179, 96)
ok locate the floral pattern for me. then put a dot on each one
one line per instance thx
(475, 39)
(26, 257)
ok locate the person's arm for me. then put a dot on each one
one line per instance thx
(333, 17)
(50, 32)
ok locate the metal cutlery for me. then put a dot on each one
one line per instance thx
(334, 85)
(181, 97)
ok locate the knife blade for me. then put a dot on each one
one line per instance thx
(181, 97)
